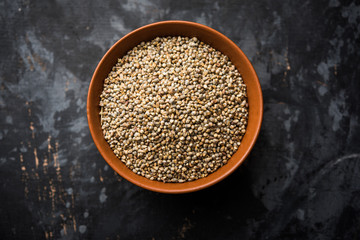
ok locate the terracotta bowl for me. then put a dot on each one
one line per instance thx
(214, 39)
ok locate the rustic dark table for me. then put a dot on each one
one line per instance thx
(301, 181)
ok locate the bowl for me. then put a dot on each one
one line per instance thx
(208, 36)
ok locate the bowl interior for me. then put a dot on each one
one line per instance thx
(214, 39)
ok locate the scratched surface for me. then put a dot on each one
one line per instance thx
(301, 181)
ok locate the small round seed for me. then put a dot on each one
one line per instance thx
(174, 109)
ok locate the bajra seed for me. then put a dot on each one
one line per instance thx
(174, 109)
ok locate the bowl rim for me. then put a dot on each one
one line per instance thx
(207, 184)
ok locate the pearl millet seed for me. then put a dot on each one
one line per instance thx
(174, 109)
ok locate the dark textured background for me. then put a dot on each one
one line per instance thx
(301, 181)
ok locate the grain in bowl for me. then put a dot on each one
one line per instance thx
(174, 109)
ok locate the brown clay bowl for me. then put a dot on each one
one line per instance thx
(214, 39)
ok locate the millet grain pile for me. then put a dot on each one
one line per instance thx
(174, 109)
